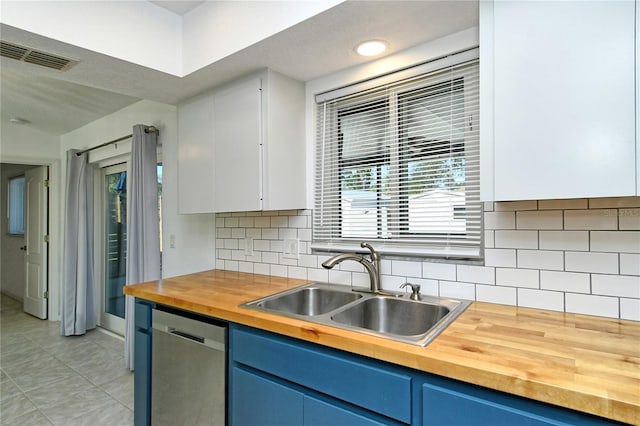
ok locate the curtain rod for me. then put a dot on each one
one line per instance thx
(149, 129)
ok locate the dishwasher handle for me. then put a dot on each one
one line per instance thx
(186, 335)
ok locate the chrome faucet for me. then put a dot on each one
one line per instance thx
(372, 266)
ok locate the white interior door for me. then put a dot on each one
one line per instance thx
(35, 238)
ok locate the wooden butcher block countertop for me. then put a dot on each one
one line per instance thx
(586, 363)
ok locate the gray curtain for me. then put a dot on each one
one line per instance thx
(143, 231)
(78, 286)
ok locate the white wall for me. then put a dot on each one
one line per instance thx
(194, 234)
(136, 31)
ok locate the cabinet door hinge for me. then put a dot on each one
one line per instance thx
(46, 295)
(46, 238)
(46, 183)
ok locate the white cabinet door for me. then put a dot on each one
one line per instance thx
(195, 156)
(563, 98)
(237, 135)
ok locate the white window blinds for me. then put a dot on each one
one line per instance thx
(16, 205)
(398, 166)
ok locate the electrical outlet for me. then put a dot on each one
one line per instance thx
(248, 246)
(290, 249)
(172, 241)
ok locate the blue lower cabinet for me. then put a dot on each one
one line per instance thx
(142, 364)
(257, 401)
(454, 403)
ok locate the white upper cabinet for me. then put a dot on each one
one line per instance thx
(247, 148)
(195, 155)
(557, 99)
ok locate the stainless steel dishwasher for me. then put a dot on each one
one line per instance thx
(188, 369)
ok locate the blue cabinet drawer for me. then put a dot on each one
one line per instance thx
(455, 403)
(338, 374)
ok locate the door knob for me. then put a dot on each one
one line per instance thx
(23, 248)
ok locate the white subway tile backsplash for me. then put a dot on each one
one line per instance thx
(513, 277)
(602, 219)
(278, 270)
(629, 264)
(489, 240)
(500, 257)
(572, 204)
(439, 271)
(616, 285)
(317, 274)
(496, 294)
(541, 299)
(536, 254)
(231, 222)
(565, 281)
(298, 221)
(262, 222)
(629, 219)
(297, 272)
(245, 222)
(500, 220)
(592, 305)
(516, 205)
(270, 233)
(308, 260)
(476, 274)
(245, 267)
(261, 268)
(287, 233)
(516, 239)
(614, 202)
(406, 268)
(457, 290)
(339, 277)
(539, 219)
(616, 241)
(605, 263)
(564, 240)
(541, 259)
(630, 309)
(279, 221)
(238, 232)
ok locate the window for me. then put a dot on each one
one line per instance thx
(398, 165)
(16, 205)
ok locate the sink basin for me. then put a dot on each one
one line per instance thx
(396, 316)
(308, 301)
(389, 315)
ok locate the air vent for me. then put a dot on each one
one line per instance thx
(26, 54)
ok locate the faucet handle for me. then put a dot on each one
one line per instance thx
(415, 290)
(374, 254)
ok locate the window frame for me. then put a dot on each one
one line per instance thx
(398, 179)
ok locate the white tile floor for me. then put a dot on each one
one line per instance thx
(47, 379)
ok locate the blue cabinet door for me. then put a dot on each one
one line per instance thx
(142, 364)
(142, 378)
(258, 401)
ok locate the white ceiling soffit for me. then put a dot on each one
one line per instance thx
(178, 7)
(314, 48)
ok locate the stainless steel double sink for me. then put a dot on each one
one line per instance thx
(386, 314)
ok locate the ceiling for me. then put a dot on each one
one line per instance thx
(58, 102)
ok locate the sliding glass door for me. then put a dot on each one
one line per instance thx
(114, 243)
(114, 191)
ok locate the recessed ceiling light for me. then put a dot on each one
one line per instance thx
(371, 47)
